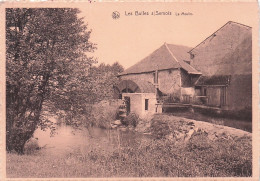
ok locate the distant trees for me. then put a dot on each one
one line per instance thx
(96, 86)
(102, 79)
(46, 67)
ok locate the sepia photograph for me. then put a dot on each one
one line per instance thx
(130, 90)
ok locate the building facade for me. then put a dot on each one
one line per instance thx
(225, 61)
(215, 73)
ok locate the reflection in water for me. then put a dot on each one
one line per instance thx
(67, 140)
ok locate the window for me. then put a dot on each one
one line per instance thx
(146, 104)
(205, 92)
(127, 104)
(192, 56)
(155, 77)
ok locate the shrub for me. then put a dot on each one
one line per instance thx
(131, 120)
(103, 113)
(159, 128)
(199, 142)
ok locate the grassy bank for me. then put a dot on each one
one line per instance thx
(237, 121)
(224, 156)
(157, 158)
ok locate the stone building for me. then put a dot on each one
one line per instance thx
(225, 61)
(215, 73)
(164, 73)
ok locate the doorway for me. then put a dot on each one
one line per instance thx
(127, 104)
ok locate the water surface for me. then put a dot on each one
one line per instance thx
(67, 140)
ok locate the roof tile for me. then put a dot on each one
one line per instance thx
(168, 56)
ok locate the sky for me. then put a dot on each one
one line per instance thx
(129, 39)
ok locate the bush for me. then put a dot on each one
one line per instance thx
(131, 120)
(103, 113)
(199, 142)
(160, 128)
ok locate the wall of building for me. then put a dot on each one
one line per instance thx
(169, 80)
(151, 106)
(185, 79)
(239, 92)
(229, 52)
(188, 91)
(137, 103)
(139, 77)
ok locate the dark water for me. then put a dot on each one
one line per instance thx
(68, 140)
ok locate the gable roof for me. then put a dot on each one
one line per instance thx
(208, 39)
(168, 56)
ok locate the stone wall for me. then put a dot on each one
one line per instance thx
(169, 80)
(185, 79)
(139, 77)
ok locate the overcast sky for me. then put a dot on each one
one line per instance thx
(131, 38)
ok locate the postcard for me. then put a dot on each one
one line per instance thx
(129, 90)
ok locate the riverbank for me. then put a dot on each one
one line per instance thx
(166, 152)
(236, 120)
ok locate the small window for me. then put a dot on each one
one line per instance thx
(192, 56)
(205, 92)
(146, 104)
(155, 77)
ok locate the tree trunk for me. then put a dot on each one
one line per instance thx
(16, 141)
(21, 128)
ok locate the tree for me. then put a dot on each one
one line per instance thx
(46, 68)
(102, 79)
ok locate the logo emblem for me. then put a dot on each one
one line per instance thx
(115, 15)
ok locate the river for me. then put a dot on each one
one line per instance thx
(67, 139)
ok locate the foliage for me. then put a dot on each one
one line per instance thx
(46, 65)
(147, 158)
(103, 113)
(159, 128)
(103, 77)
(131, 119)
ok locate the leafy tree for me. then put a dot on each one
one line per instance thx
(46, 69)
(102, 79)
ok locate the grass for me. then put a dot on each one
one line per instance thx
(158, 158)
(226, 156)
